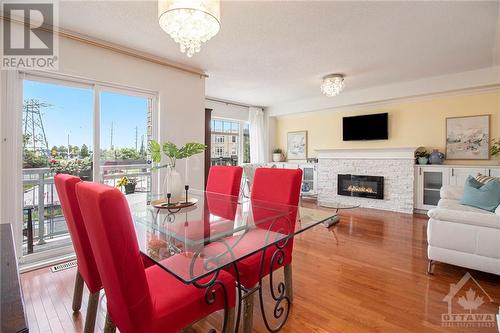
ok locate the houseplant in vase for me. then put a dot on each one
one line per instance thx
(172, 182)
(422, 156)
(128, 183)
(495, 148)
(277, 155)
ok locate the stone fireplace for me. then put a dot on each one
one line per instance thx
(393, 169)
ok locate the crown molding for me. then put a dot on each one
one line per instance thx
(107, 45)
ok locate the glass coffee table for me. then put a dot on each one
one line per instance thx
(337, 206)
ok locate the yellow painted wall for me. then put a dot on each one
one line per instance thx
(411, 124)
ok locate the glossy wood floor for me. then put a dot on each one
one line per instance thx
(367, 274)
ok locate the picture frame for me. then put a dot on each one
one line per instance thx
(468, 137)
(296, 147)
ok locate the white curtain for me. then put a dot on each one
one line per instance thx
(11, 109)
(257, 135)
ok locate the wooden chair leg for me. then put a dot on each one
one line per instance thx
(91, 312)
(248, 303)
(77, 292)
(231, 316)
(109, 326)
(289, 282)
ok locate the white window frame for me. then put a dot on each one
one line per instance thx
(240, 134)
(40, 259)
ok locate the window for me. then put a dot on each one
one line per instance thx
(219, 151)
(59, 126)
(230, 142)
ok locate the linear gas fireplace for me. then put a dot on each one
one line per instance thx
(361, 186)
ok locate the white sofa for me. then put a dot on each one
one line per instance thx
(462, 235)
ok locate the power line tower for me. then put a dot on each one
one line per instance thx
(136, 138)
(34, 131)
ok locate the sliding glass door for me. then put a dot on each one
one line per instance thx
(57, 129)
(125, 133)
(97, 132)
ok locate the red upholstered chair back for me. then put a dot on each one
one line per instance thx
(224, 179)
(278, 186)
(65, 186)
(107, 218)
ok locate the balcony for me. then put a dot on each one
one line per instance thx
(44, 224)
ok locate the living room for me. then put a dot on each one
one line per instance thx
(290, 166)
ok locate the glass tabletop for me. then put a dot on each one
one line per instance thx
(218, 230)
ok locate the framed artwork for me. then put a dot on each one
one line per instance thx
(468, 138)
(296, 145)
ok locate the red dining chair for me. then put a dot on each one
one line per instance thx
(272, 189)
(140, 300)
(224, 180)
(87, 270)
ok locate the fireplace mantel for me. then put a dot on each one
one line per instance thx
(399, 153)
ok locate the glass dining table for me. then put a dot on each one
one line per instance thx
(214, 233)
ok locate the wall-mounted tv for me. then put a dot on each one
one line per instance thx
(368, 127)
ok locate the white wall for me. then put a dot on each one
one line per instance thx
(227, 110)
(181, 105)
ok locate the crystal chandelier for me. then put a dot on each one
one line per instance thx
(189, 22)
(332, 84)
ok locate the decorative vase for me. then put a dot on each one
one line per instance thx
(276, 157)
(436, 157)
(422, 160)
(129, 188)
(173, 184)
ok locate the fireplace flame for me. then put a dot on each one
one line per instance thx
(362, 189)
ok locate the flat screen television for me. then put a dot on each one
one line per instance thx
(369, 127)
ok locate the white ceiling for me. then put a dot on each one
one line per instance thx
(270, 53)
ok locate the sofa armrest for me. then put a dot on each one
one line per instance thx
(452, 192)
(480, 219)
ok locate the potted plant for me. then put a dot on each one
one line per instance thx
(422, 156)
(277, 155)
(495, 147)
(173, 183)
(128, 183)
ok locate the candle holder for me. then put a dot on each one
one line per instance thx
(186, 187)
(169, 195)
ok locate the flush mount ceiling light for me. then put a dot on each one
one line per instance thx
(189, 22)
(332, 84)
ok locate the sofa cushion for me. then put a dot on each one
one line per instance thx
(455, 205)
(484, 179)
(484, 218)
(484, 196)
(453, 192)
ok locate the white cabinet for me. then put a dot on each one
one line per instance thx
(430, 178)
(309, 176)
(494, 172)
(458, 175)
(428, 183)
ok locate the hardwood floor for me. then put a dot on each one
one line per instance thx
(367, 274)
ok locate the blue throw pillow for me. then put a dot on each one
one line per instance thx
(483, 196)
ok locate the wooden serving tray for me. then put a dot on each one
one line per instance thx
(174, 203)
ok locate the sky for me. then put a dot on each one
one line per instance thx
(70, 112)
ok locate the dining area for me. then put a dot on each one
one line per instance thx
(164, 263)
